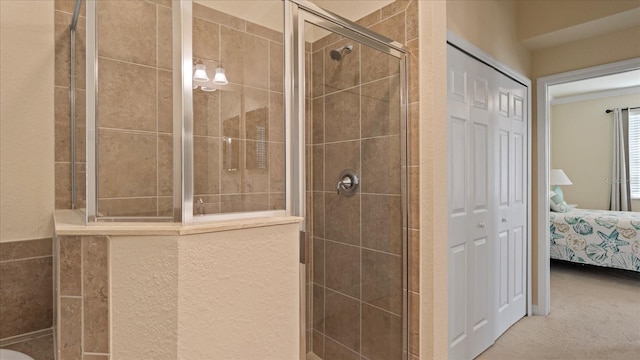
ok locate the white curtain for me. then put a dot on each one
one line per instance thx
(620, 190)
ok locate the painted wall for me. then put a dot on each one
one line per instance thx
(598, 50)
(581, 145)
(433, 179)
(144, 297)
(560, 14)
(492, 26)
(232, 294)
(26, 119)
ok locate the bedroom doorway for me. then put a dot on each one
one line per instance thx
(545, 85)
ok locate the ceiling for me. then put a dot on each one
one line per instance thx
(269, 13)
(626, 80)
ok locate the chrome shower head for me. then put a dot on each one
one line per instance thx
(336, 54)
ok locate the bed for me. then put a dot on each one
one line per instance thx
(597, 237)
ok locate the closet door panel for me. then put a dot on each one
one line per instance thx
(512, 214)
(469, 137)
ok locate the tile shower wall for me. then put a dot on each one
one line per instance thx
(26, 287)
(356, 271)
(134, 111)
(245, 122)
(134, 107)
(238, 129)
(82, 297)
(63, 14)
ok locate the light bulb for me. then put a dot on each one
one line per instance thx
(201, 73)
(220, 78)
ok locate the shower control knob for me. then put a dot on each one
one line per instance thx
(482, 225)
(347, 182)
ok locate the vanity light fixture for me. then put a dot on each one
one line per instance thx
(220, 78)
(200, 74)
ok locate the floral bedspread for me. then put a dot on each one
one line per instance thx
(597, 237)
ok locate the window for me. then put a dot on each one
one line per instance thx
(634, 152)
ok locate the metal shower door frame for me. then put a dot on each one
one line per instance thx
(297, 13)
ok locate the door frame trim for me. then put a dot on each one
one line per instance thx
(475, 52)
(544, 163)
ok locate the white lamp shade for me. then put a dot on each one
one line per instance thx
(558, 177)
(220, 78)
(201, 73)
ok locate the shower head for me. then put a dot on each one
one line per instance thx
(336, 54)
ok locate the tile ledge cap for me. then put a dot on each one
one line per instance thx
(68, 224)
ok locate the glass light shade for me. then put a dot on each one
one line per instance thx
(208, 88)
(201, 73)
(558, 177)
(220, 78)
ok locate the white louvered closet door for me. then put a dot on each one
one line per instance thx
(471, 328)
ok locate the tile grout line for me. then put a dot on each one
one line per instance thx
(26, 259)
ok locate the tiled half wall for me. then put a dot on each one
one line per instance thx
(82, 297)
(26, 287)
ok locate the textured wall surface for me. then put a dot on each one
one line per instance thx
(433, 180)
(144, 295)
(231, 294)
(26, 120)
(239, 294)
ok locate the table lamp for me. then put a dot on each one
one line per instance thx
(558, 177)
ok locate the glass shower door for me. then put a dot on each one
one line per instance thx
(355, 145)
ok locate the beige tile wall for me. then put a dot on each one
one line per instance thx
(238, 129)
(356, 289)
(83, 297)
(135, 111)
(26, 287)
(63, 14)
(134, 108)
(38, 346)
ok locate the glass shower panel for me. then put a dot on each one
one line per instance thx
(238, 125)
(134, 109)
(78, 112)
(355, 122)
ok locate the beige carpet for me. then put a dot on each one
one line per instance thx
(595, 314)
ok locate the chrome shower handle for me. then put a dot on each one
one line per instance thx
(347, 182)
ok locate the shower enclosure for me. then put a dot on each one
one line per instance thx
(351, 91)
(212, 111)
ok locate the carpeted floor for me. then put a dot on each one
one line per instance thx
(595, 315)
